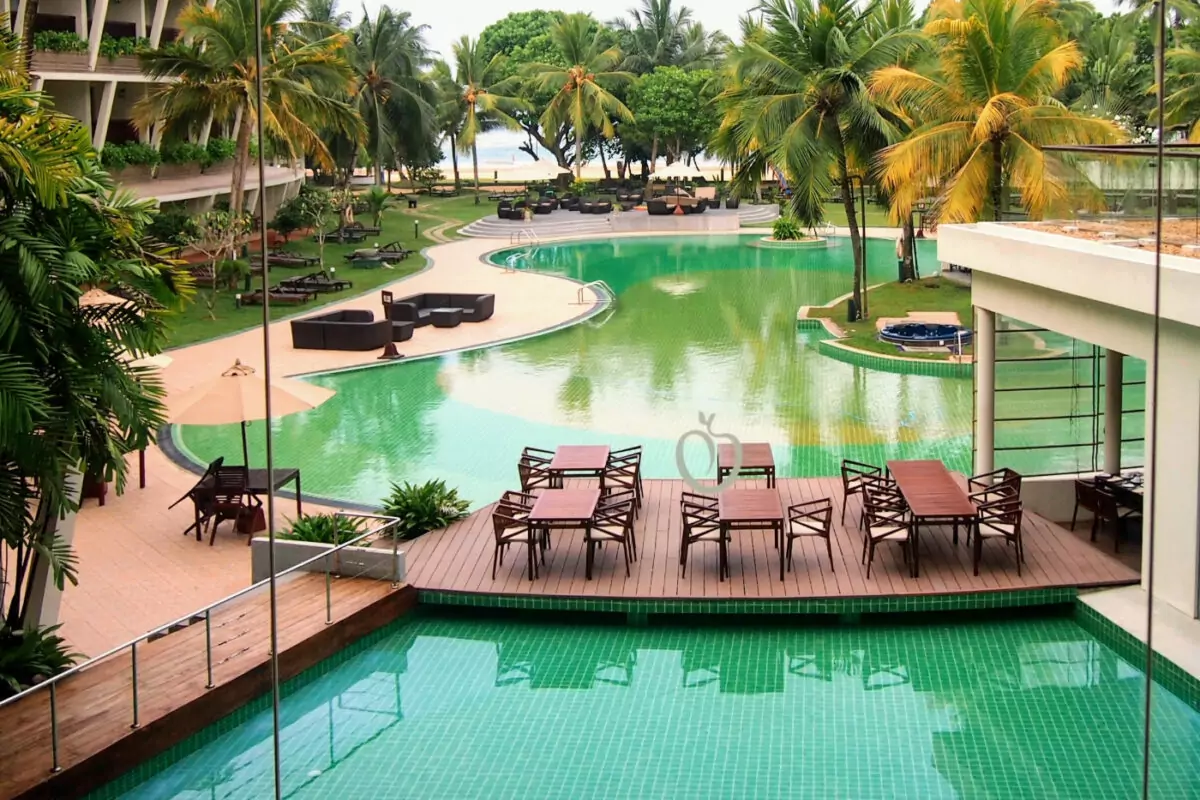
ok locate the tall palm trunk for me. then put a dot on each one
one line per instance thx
(997, 180)
(578, 155)
(241, 163)
(604, 162)
(454, 159)
(855, 234)
(475, 164)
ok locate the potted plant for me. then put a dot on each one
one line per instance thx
(129, 162)
(218, 153)
(423, 507)
(310, 535)
(181, 160)
(120, 53)
(59, 51)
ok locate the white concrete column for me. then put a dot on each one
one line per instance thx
(1113, 385)
(100, 131)
(139, 24)
(251, 203)
(158, 20)
(18, 17)
(81, 20)
(36, 83)
(99, 16)
(985, 390)
(205, 130)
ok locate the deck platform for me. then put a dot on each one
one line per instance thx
(459, 560)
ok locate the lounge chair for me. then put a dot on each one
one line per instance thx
(314, 282)
(289, 296)
(286, 258)
(342, 235)
(658, 208)
(201, 496)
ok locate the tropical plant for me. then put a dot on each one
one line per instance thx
(581, 99)
(72, 404)
(986, 109)
(218, 235)
(451, 111)
(183, 153)
(673, 109)
(59, 42)
(483, 105)
(657, 34)
(796, 101)
(391, 93)
(315, 208)
(423, 507)
(305, 82)
(374, 202)
(114, 47)
(171, 225)
(786, 229)
(1183, 91)
(28, 657)
(220, 149)
(323, 529)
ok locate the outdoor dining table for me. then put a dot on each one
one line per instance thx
(752, 509)
(564, 508)
(757, 460)
(578, 460)
(257, 483)
(933, 497)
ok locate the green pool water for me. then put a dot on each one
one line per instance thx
(700, 325)
(451, 708)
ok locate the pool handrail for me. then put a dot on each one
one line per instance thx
(51, 683)
(601, 284)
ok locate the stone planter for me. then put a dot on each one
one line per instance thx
(350, 562)
(132, 174)
(169, 171)
(220, 166)
(49, 61)
(125, 65)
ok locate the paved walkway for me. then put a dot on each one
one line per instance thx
(138, 571)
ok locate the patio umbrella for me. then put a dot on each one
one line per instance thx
(99, 297)
(239, 395)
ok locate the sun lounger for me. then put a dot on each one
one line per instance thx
(314, 282)
(285, 258)
(278, 295)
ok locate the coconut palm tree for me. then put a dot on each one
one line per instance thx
(480, 85)
(1183, 86)
(451, 111)
(581, 97)
(797, 102)
(305, 82)
(986, 109)
(391, 91)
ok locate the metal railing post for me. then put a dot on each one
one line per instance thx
(133, 655)
(208, 646)
(328, 594)
(54, 727)
(395, 559)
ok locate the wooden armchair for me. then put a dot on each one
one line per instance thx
(201, 496)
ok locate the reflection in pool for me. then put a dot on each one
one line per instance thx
(447, 708)
(704, 324)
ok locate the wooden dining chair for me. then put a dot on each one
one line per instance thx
(201, 496)
(612, 522)
(884, 491)
(886, 523)
(999, 519)
(622, 476)
(1109, 512)
(537, 455)
(1004, 477)
(702, 523)
(534, 475)
(811, 518)
(618, 500)
(853, 473)
(232, 499)
(631, 455)
(509, 530)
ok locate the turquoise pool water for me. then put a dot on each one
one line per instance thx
(450, 708)
(704, 324)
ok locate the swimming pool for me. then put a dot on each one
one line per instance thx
(700, 324)
(441, 707)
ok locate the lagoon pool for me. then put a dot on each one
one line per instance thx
(445, 707)
(701, 324)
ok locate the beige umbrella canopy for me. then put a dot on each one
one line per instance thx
(239, 395)
(99, 297)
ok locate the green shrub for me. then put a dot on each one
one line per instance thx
(139, 153)
(423, 508)
(112, 46)
(112, 157)
(786, 229)
(220, 149)
(30, 657)
(183, 153)
(171, 225)
(59, 42)
(323, 529)
(231, 273)
(582, 188)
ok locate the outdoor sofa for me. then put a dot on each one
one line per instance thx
(419, 308)
(352, 329)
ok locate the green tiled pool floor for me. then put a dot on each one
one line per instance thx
(452, 708)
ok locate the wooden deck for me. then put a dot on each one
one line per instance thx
(95, 707)
(459, 559)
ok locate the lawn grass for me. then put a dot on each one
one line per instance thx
(835, 214)
(896, 300)
(193, 323)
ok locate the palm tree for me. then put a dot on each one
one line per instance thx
(480, 85)
(325, 13)
(986, 111)
(390, 90)
(653, 35)
(797, 101)
(1183, 84)
(581, 98)
(1112, 82)
(451, 111)
(305, 82)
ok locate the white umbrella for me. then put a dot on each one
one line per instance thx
(239, 395)
(679, 169)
